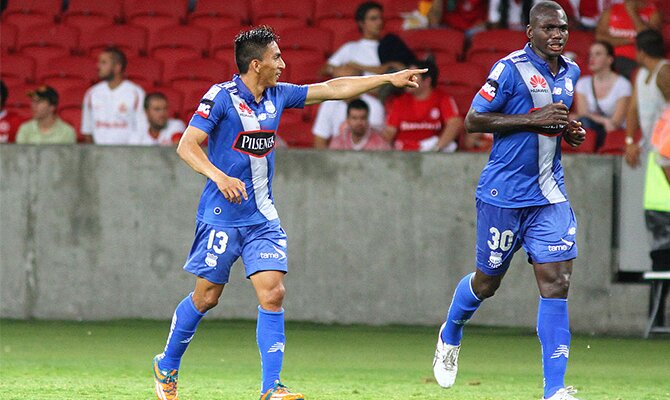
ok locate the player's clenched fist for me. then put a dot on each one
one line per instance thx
(233, 189)
(575, 134)
(551, 115)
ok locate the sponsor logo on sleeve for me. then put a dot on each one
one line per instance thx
(489, 90)
(204, 108)
(495, 74)
(255, 143)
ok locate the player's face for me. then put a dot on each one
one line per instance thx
(549, 34)
(41, 108)
(271, 65)
(157, 113)
(106, 66)
(357, 121)
(372, 24)
(599, 60)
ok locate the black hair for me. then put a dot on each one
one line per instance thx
(541, 7)
(363, 9)
(4, 93)
(432, 72)
(118, 56)
(251, 45)
(152, 96)
(357, 104)
(650, 41)
(609, 49)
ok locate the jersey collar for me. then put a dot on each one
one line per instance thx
(540, 62)
(244, 92)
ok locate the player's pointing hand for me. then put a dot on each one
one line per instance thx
(407, 77)
(233, 189)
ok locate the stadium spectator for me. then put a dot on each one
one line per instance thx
(602, 98)
(9, 120)
(521, 197)
(509, 14)
(112, 109)
(362, 57)
(232, 223)
(620, 24)
(45, 127)
(332, 115)
(651, 96)
(468, 16)
(424, 118)
(356, 133)
(162, 130)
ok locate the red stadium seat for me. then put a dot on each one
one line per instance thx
(281, 24)
(109, 8)
(237, 10)
(302, 66)
(145, 71)
(64, 83)
(293, 9)
(615, 143)
(497, 40)
(588, 146)
(223, 41)
(19, 67)
(43, 56)
(176, 36)
(579, 42)
(307, 39)
(214, 23)
(393, 25)
(72, 115)
(171, 57)
(153, 25)
(294, 130)
(23, 22)
(395, 8)
(8, 34)
(329, 9)
(71, 67)
(466, 74)
(175, 98)
(193, 90)
(462, 95)
(435, 41)
(486, 60)
(199, 69)
(50, 35)
(18, 99)
(344, 30)
(168, 8)
(50, 8)
(132, 40)
(88, 24)
(72, 97)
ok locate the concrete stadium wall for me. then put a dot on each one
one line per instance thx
(98, 233)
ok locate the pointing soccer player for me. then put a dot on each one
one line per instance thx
(236, 216)
(521, 197)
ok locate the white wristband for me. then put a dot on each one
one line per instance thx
(629, 140)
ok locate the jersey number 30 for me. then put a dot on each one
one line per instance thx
(221, 239)
(502, 240)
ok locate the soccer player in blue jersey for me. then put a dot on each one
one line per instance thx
(521, 198)
(236, 216)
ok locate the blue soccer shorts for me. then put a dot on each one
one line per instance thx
(546, 233)
(263, 247)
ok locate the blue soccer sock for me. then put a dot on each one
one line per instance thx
(270, 337)
(184, 322)
(463, 306)
(553, 329)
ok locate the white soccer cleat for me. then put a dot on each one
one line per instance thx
(564, 394)
(445, 363)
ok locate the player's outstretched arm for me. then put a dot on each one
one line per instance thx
(551, 115)
(190, 150)
(351, 86)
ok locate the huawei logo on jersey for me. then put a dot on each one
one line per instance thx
(255, 143)
(537, 80)
(245, 109)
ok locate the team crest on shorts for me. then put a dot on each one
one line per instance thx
(495, 259)
(211, 260)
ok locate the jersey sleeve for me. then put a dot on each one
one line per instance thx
(87, 115)
(211, 110)
(294, 95)
(497, 89)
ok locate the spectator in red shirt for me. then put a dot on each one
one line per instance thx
(620, 25)
(356, 133)
(9, 120)
(424, 118)
(468, 16)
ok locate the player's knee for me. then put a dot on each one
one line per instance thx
(272, 299)
(557, 288)
(206, 302)
(484, 290)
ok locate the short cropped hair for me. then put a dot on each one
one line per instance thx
(251, 45)
(118, 56)
(153, 96)
(357, 104)
(363, 9)
(541, 7)
(650, 41)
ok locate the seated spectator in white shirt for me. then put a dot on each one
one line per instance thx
(333, 114)
(162, 130)
(356, 133)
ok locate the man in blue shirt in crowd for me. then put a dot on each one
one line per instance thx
(236, 216)
(521, 198)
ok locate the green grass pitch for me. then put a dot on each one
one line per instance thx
(111, 360)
